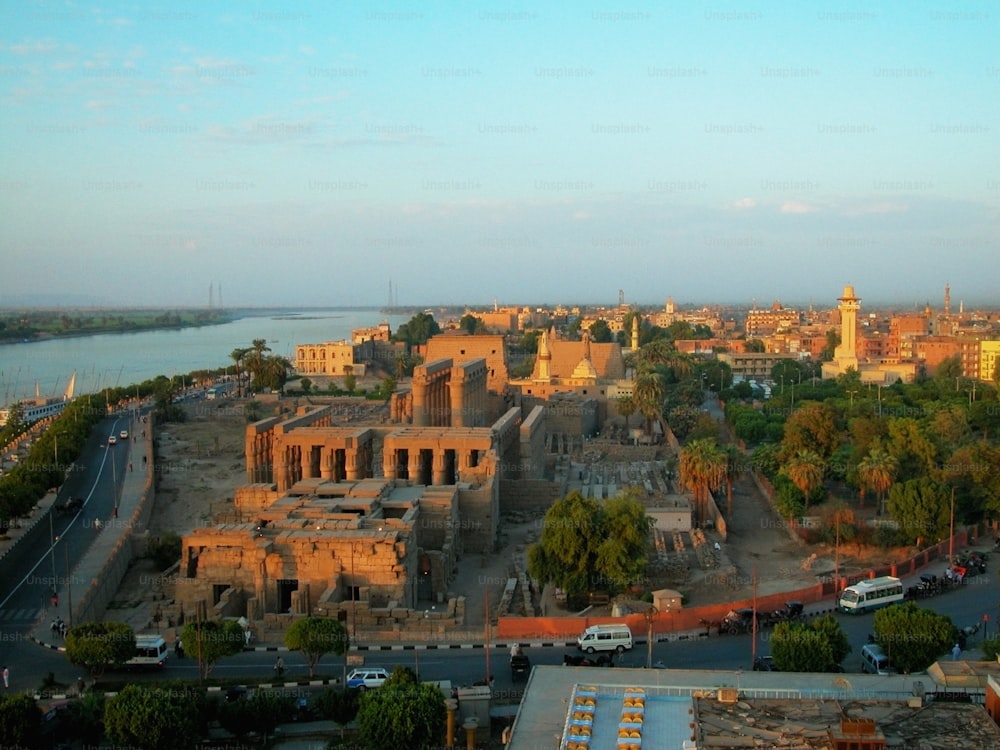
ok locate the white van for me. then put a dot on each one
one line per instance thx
(874, 660)
(605, 638)
(150, 653)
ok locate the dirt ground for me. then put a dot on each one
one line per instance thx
(200, 464)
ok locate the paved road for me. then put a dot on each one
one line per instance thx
(97, 479)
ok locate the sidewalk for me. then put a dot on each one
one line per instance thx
(114, 530)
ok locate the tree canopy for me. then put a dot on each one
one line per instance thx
(402, 713)
(588, 545)
(316, 636)
(155, 719)
(913, 638)
(816, 646)
(211, 640)
(97, 645)
(417, 329)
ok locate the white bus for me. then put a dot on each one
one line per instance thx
(865, 596)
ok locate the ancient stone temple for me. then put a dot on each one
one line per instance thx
(366, 523)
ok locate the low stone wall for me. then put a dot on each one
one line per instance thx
(528, 494)
(94, 600)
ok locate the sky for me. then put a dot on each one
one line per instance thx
(319, 153)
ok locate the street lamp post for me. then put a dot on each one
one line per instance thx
(650, 613)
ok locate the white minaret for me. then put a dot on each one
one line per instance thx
(635, 333)
(544, 358)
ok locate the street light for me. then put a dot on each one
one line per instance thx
(650, 614)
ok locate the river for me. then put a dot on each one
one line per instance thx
(121, 359)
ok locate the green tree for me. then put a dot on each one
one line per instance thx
(417, 330)
(755, 346)
(648, 397)
(305, 385)
(211, 640)
(259, 714)
(339, 706)
(921, 508)
(796, 647)
(97, 645)
(154, 719)
(876, 473)
(949, 372)
(238, 355)
(402, 714)
(806, 470)
(812, 427)
(164, 550)
(586, 543)
(832, 342)
(702, 470)
(600, 332)
(840, 644)
(20, 721)
(315, 637)
(915, 453)
(472, 324)
(529, 341)
(913, 638)
(350, 381)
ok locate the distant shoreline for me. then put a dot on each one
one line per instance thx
(49, 336)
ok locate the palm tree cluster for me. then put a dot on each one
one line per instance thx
(254, 366)
(703, 468)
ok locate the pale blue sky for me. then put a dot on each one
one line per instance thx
(554, 152)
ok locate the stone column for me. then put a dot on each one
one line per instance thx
(458, 405)
(351, 463)
(389, 463)
(326, 464)
(305, 461)
(414, 465)
(440, 466)
(420, 398)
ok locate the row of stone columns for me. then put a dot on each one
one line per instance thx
(440, 464)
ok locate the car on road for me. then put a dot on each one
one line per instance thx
(366, 678)
(112, 440)
(72, 505)
(123, 434)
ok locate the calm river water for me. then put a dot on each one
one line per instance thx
(124, 358)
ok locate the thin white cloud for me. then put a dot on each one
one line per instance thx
(745, 203)
(306, 49)
(796, 207)
(33, 47)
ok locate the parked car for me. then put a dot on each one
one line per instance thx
(366, 678)
(571, 660)
(764, 664)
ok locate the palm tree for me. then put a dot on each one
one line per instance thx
(648, 397)
(806, 470)
(702, 469)
(877, 471)
(237, 355)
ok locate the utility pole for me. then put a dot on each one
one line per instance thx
(951, 531)
(753, 627)
(488, 636)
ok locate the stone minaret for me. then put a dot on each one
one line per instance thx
(846, 355)
(544, 358)
(635, 333)
(947, 299)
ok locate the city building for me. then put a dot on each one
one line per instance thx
(760, 323)
(577, 708)
(333, 358)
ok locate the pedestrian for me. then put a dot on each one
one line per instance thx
(54, 599)
(279, 666)
(80, 685)
(179, 648)
(6, 676)
(130, 466)
(956, 652)
(97, 524)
